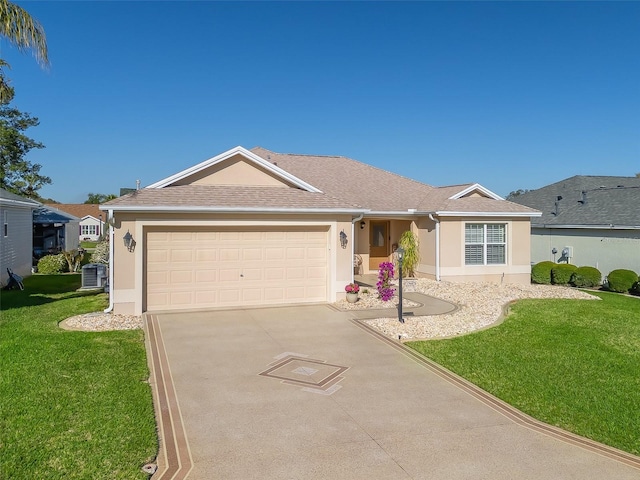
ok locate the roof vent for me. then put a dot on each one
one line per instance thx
(583, 200)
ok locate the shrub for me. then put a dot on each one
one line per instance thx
(541, 272)
(409, 243)
(561, 273)
(51, 264)
(101, 253)
(621, 280)
(586, 277)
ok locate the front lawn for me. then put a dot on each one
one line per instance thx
(73, 405)
(570, 363)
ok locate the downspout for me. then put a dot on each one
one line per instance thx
(110, 222)
(437, 222)
(353, 241)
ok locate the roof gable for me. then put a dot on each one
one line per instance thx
(237, 166)
(475, 190)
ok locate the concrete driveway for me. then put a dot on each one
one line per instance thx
(309, 393)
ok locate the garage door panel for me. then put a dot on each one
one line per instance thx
(229, 254)
(274, 253)
(157, 278)
(317, 254)
(181, 277)
(252, 275)
(229, 275)
(274, 294)
(157, 256)
(181, 255)
(274, 273)
(229, 236)
(295, 253)
(275, 236)
(206, 236)
(181, 298)
(229, 297)
(252, 254)
(316, 272)
(208, 268)
(206, 255)
(207, 275)
(206, 298)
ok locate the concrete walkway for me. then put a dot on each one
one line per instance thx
(311, 393)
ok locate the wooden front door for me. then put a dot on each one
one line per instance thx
(378, 243)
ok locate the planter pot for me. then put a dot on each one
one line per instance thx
(352, 297)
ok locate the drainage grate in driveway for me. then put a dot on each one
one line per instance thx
(315, 376)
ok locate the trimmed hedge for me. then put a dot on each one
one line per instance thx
(52, 264)
(541, 272)
(561, 273)
(586, 277)
(621, 280)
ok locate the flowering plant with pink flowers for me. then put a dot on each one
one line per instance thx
(385, 275)
(352, 288)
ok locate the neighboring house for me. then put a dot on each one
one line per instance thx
(54, 231)
(262, 228)
(16, 236)
(91, 219)
(587, 221)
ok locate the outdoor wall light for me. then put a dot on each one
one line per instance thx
(343, 239)
(362, 224)
(129, 242)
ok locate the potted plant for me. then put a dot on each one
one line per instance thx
(352, 290)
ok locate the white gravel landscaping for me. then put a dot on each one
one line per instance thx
(479, 306)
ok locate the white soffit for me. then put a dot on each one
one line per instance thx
(252, 157)
(476, 187)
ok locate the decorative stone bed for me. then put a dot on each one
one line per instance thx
(480, 306)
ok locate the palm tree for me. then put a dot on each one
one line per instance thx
(25, 33)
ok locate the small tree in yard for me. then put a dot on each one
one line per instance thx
(409, 243)
(74, 259)
(101, 253)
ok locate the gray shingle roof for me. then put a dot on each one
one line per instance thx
(606, 201)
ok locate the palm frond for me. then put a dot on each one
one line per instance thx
(23, 31)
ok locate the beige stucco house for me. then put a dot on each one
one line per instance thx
(255, 227)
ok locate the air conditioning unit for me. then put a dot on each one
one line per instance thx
(94, 275)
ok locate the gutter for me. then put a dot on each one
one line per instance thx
(588, 227)
(437, 222)
(177, 209)
(487, 214)
(110, 222)
(353, 241)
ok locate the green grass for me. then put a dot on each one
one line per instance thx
(88, 245)
(570, 363)
(73, 405)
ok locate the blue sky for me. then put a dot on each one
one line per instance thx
(507, 94)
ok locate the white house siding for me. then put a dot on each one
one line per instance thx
(604, 249)
(16, 249)
(92, 225)
(71, 238)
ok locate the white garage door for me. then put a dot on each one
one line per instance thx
(204, 267)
